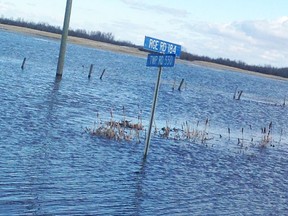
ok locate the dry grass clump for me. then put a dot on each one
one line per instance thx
(122, 130)
(267, 136)
(126, 130)
(186, 132)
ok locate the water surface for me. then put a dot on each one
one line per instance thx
(50, 166)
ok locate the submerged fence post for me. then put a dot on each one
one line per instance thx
(182, 81)
(102, 74)
(64, 39)
(234, 96)
(147, 143)
(23, 63)
(90, 71)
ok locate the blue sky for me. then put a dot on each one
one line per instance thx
(253, 31)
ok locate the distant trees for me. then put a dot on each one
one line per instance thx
(93, 35)
(267, 69)
(109, 38)
(39, 26)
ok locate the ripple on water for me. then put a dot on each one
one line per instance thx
(48, 166)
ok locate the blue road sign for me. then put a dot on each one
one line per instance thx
(160, 46)
(160, 60)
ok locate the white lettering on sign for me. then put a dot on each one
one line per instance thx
(153, 44)
(169, 60)
(160, 46)
(159, 60)
(163, 47)
(167, 48)
(171, 49)
(154, 60)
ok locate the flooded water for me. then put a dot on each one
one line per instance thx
(49, 165)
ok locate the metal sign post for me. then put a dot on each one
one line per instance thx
(165, 57)
(147, 143)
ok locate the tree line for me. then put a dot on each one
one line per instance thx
(106, 37)
(109, 38)
(283, 72)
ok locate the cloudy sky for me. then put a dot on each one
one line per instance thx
(253, 31)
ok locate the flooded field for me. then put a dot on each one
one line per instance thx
(221, 156)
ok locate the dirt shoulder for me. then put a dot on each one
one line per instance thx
(224, 67)
(76, 40)
(126, 50)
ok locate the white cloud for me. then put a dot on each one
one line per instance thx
(144, 6)
(5, 6)
(261, 42)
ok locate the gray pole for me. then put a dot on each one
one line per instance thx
(64, 39)
(152, 113)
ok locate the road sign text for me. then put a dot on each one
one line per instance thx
(160, 46)
(159, 60)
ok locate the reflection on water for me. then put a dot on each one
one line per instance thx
(48, 166)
